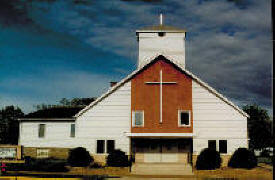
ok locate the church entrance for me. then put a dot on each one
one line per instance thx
(162, 150)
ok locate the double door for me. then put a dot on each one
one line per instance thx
(161, 151)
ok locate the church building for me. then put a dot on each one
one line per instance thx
(161, 112)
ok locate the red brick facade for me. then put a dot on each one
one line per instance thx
(175, 97)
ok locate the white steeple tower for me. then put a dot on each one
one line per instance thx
(161, 40)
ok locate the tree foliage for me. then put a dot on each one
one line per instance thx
(76, 101)
(9, 125)
(64, 102)
(259, 127)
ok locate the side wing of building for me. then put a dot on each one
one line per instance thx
(56, 134)
(216, 120)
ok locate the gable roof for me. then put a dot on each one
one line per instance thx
(54, 112)
(161, 28)
(151, 60)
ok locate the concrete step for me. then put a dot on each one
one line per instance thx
(162, 169)
(160, 165)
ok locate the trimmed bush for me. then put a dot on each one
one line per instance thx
(79, 157)
(208, 159)
(117, 158)
(243, 158)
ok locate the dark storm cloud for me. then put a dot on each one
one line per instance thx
(82, 2)
(13, 12)
(146, 1)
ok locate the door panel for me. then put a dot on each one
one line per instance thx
(169, 151)
(153, 153)
(162, 151)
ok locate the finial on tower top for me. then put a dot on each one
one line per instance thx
(160, 19)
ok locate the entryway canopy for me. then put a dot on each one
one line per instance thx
(159, 134)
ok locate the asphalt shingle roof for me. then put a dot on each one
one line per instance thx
(56, 112)
(162, 28)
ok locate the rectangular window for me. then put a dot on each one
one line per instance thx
(72, 130)
(138, 118)
(110, 145)
(212, 144)
(223, 146)
(41, 130)
(42, 153)
(100, 146)
(184, 118)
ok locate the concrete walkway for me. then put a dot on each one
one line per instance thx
(161, 169)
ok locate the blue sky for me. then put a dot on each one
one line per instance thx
(52, 49)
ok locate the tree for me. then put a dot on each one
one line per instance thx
(259, 127)
(64, 102)
(9, 125)
(81, 101)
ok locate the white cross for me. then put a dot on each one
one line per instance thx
(160, 83)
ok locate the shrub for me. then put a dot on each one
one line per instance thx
(79, 157)
(208, 159)
(50, 165)
(117, 158)
(243, 158)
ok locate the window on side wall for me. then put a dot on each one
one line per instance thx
(100, 146)
(72, 130)
(42, 153)
(184, 118)
(138, 118)
(212, 144)
(223, 146)
(41, 130)
(110, 145)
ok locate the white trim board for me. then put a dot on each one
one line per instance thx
(159, 134)
(46, 119)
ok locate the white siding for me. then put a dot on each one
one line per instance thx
(57, 134)
(107, 120)
(171, 45)
(214, 119)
